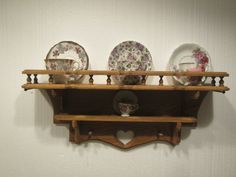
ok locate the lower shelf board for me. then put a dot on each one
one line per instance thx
(115, 118)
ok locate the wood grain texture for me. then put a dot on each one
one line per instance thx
(124, 87)
(115, 118)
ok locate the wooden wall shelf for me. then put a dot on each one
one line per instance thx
(88, 109)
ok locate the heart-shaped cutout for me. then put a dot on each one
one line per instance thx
(125, 136)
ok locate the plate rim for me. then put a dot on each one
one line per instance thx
(74, 43)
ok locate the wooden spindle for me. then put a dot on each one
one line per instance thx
(143, 81)
(161, 81)
(91, 79)
(108, 79)
(29, 79)
(50, 80)
(221, 82)
(35, 79)
(213, 81)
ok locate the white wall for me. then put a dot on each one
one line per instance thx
(32, 146)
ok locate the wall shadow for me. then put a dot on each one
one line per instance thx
(204, 117)
(208, 133)
(44, 119)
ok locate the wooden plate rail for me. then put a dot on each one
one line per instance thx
(163, 109)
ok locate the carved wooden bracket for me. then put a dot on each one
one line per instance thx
(107, 132)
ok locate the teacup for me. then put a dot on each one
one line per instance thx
(64, 65)
(190, 80)
(126, 108)
(61, 64)
(186, 66)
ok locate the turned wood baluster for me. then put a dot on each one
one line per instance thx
(50, 80)
(29, 79)
(161, 81)
(35, 79)
(221, 81)
(143, 81)
(213, 82)
(91, 79)
(108, 79)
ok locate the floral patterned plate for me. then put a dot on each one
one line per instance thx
(190, 57)
(70, 50)
(130, 56)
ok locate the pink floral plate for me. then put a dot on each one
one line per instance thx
(130, 56)
(71, 51)
(190, 57)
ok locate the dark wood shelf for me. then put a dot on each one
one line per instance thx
(88, 107)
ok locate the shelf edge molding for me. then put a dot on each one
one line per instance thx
(115, 118)
(125, 87)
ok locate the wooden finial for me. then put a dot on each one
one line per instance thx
(143, 81)
(50, 78)
(29, 79)
(91, 79)
(108, 79)
(221, 81)
(161, 81)
(35, 79)
(213, 82)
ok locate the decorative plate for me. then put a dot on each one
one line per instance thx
(70, 50)
(190, 57)
(130, 56)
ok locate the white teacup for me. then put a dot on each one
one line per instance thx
(126, 108)
(61, 64)
(186, 66)
(64, 65)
